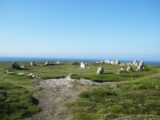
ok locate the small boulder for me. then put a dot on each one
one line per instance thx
(82, 65)
(33, 63)
(17, 66)
(58, 63)
(31, 75)
(129, 68)
(21, 74)
(100, 70)
(9, 72)
(140, 66)
(46, 63)
(117, 62)
(120, 70)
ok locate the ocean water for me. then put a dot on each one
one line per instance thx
(16, 59)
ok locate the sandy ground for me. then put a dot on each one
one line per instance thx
(56, 93)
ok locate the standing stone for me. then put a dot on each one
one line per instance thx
(33, 63)
(112, 62)
(46, 63)
(135, 63)
(58, 63)
(17, 66)
(120, 70)
(129, 68)
(140, 66)
(82, 65)
(100, 70)
(117, 62)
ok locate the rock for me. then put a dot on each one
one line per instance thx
(17, 66)
(82, 65)
(21, 74)
(129, 68)
(112, 62)
(9, 73)
(58, 63)
(135, 63)
(140, 66)
(120, 70)
(31, 75)
(46, 63)
(33, 63)
(117, 62)
(141, 63)
(100, 70)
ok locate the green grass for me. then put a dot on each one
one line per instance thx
(16, 96)
(132, 99)
(137, 93)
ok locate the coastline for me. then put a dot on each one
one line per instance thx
(28, 59)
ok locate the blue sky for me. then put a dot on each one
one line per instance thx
(124, 29)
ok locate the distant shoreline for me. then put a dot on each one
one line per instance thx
(21, 59)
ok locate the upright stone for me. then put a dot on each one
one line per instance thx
(117, 62)
(140, 66)
(33, 63)
(82, 65)
(100, 70)
(16, 66)
(129, 68)
(120, 70)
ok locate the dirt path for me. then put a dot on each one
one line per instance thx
(54, 95)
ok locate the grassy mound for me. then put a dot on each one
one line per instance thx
(132, 99)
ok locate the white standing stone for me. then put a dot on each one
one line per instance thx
(129, 68)
(120, 70)
(46, 63)
(117, 62)
(33, 63)
(100, 70)
(112, 62)
(140, 66)
(82, 65)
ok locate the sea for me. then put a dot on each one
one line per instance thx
(28, 59)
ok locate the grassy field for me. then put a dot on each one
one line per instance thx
(136, 95)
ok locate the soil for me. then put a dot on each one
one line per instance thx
(56, 93)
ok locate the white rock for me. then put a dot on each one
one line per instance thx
(129, 68)
(33, 63)
(82, 65)
(21, 74)
(117, 62)
(112, 62)
(9, 73)
(140, 66)
(58, 62)
(100, 70)
(120, 70)
(46, 63)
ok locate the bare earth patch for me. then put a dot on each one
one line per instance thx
(56, 93)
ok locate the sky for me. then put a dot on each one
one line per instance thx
(123, 29)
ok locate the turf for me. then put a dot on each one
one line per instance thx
(136, 96)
